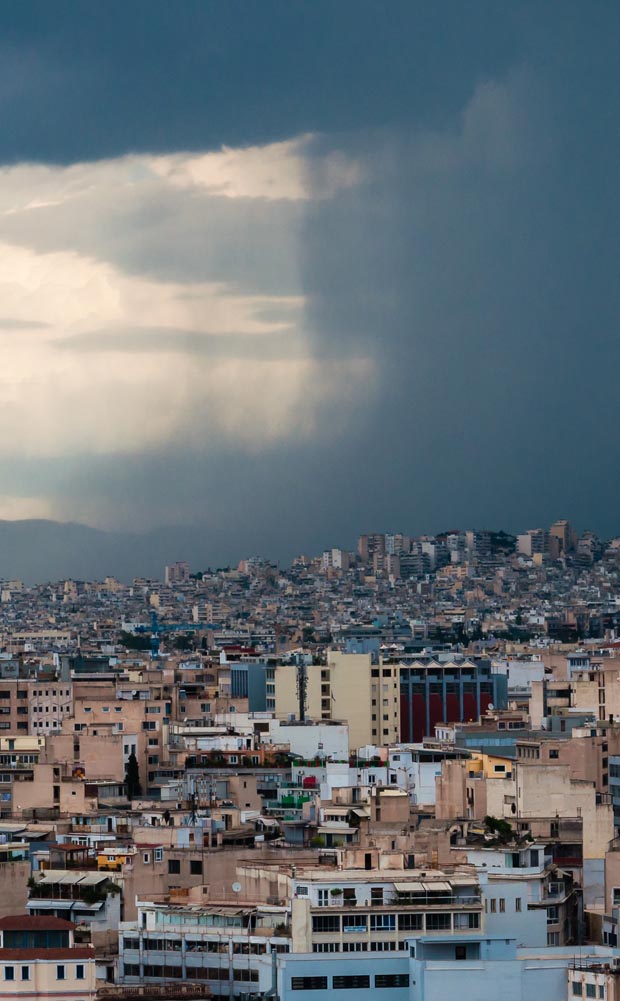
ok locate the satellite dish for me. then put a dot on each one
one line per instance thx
(491, 706)
(236, 888)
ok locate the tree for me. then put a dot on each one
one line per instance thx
(132, 777)
(131, 642)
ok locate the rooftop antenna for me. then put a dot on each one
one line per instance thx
(302, 688)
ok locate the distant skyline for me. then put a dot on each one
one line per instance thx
(277, 274)
(37, 551)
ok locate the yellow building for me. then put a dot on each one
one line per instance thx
(113, 859)
(350, 688)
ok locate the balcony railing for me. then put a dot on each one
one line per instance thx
(150, 992)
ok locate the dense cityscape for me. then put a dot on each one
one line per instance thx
(309, 552)
(404, 759)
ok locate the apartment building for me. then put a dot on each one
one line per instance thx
(368, 909)
(39, 960)
(446, 689)
(218, 945)
(520, 792)
(349, 687)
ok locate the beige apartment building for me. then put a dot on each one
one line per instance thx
(349, 687)
(370, 903)
(39, 960)
(36, 706)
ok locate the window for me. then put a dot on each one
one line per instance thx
(158, 855)
(382, 922)
(308, 983)
(60, 973)
(174, 866)
(146, 858)
(590, 990)
(25, 973)
(323, 897)
(79, 971)
(354, 982)
(392, 980)
(438, 922)
(376, 896)
(601, 990)
(9, 973)
(355, 947)
(518, 904)
(616, 896)
(326, 923)
(409, 922)
(326, 947)
(195, 867)
(354, 922)
(493, 903)
(467, 920)
(502, 905)
(577, 989)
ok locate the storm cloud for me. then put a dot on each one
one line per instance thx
(334, 271)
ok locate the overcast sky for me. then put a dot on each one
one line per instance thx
(290, 271)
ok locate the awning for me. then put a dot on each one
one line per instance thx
(50, 905)
(93, 878)
(59, 878)
(437, 887)
(359, 812)
(464, 880)
(267, 821)
(411, 887)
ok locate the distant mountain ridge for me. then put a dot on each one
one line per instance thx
(37, 551)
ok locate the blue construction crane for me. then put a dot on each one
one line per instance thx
(158, 627)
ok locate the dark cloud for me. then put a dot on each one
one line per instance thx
(475, 264)
(151, 75)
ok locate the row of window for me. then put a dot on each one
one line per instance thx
(492, 902)
(170, 972)
(360, 981)
(205, 945)
(358, 946)
(432, 921)
(590, 991)
(61, 972)
(174, 867)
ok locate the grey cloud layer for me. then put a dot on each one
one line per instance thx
(421, 331)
